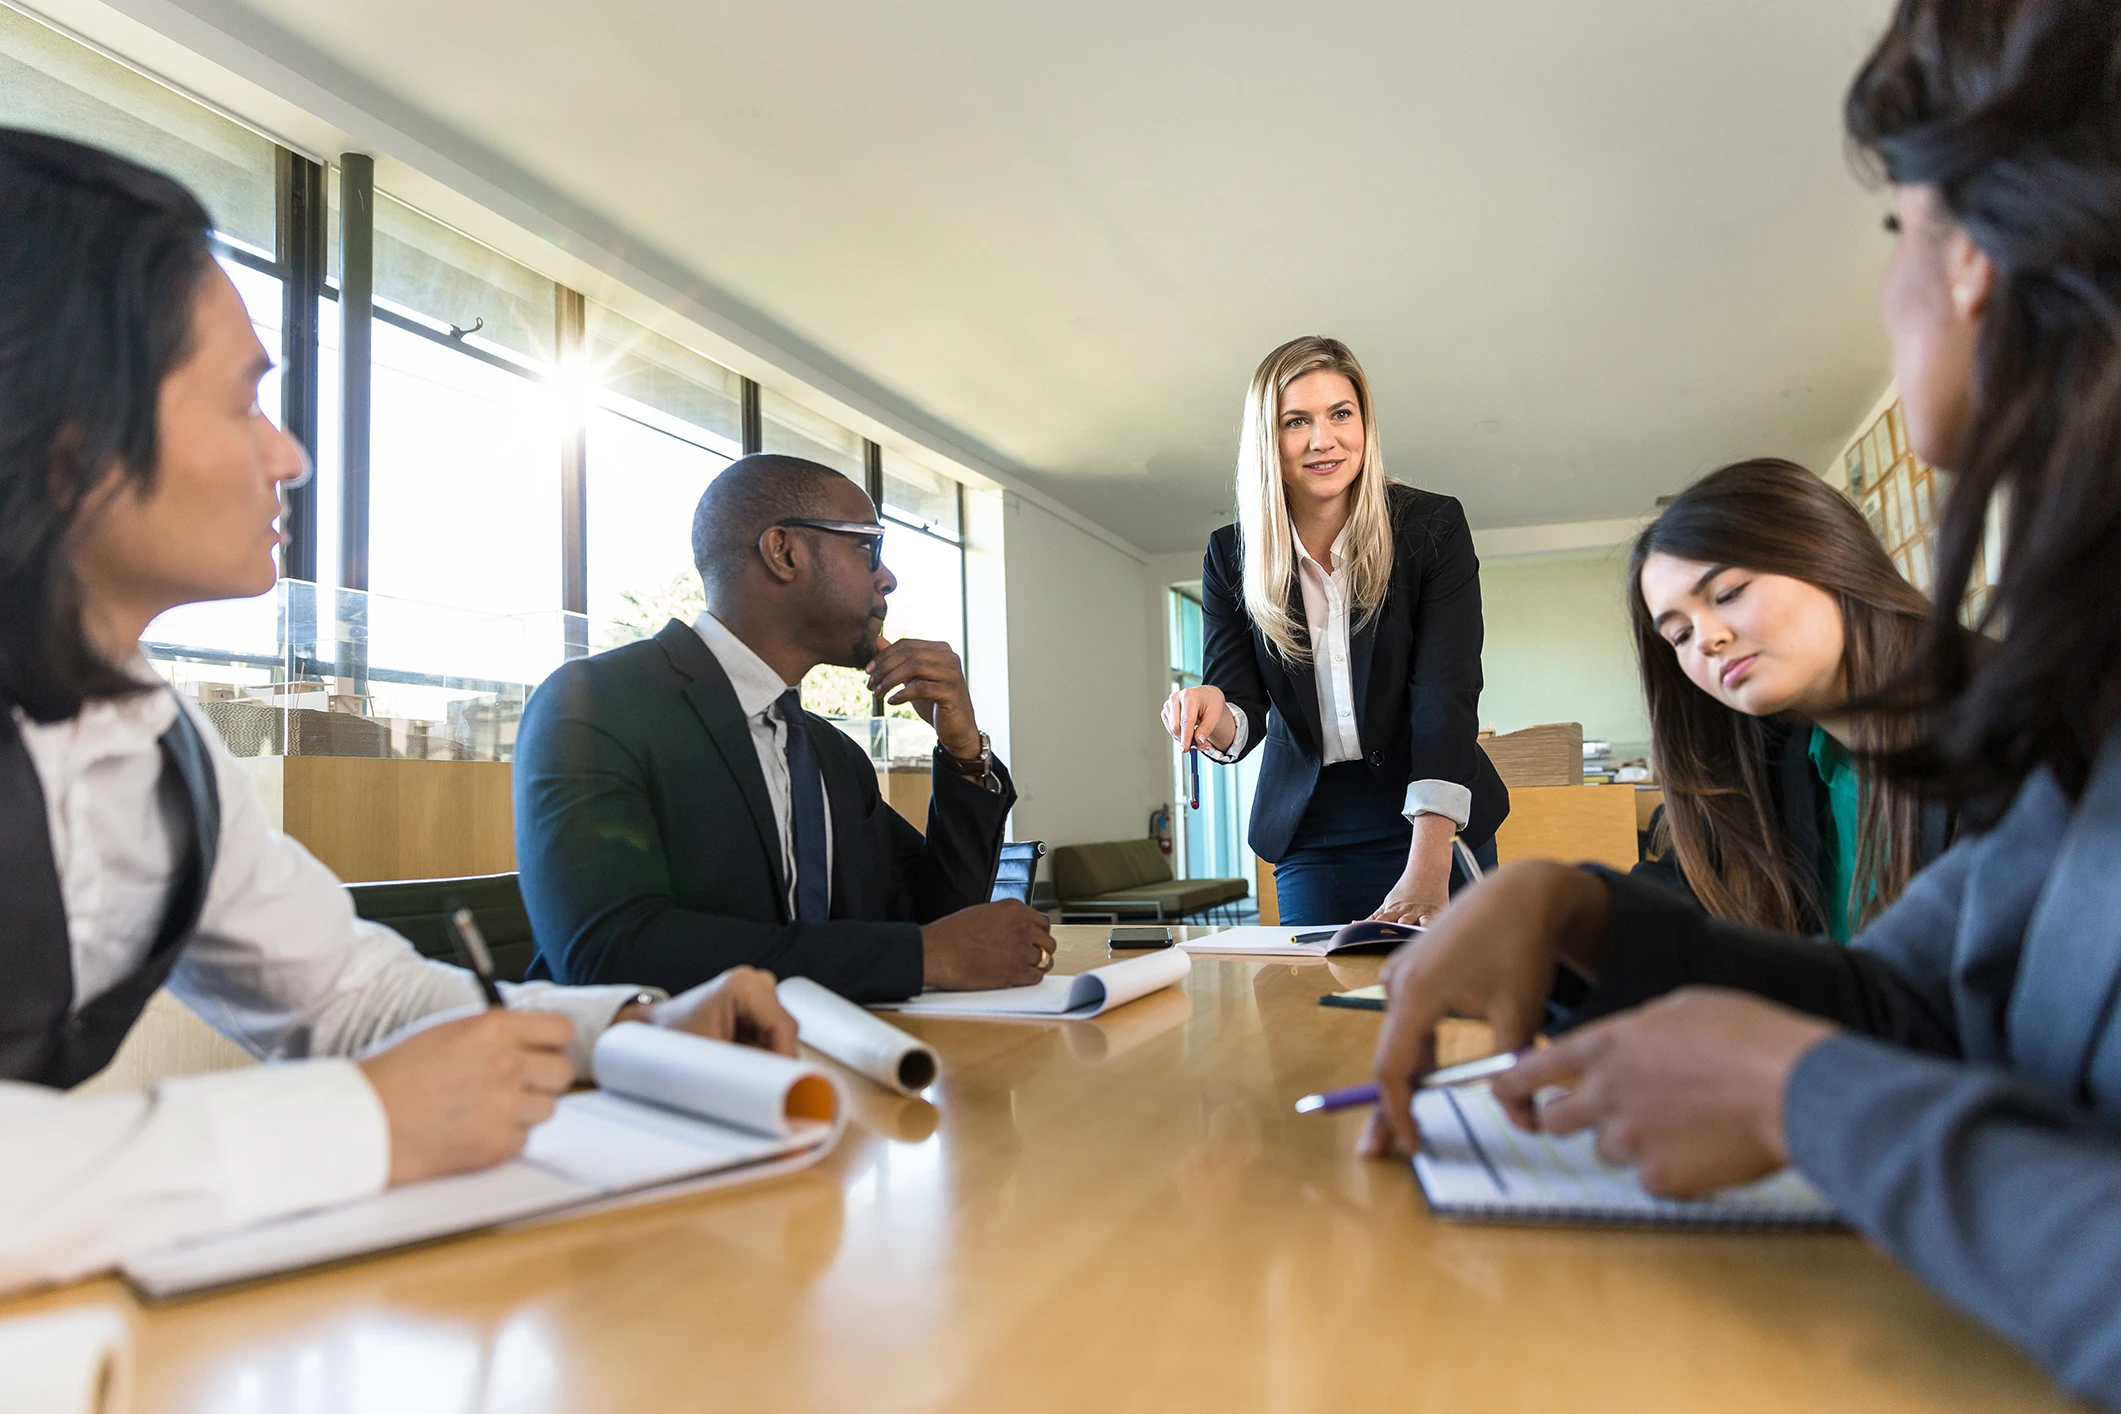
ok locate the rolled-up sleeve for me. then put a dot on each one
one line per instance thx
(1446, 798)
(1998, 1193)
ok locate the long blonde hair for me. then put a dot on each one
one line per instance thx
(1263, 521)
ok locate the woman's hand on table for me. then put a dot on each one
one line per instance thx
(1490, 956)
(1686, 1090)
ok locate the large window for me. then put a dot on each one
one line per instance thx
(794, 430)
(1212, 838)
(534, 457)
(664, 422)
(53, 84)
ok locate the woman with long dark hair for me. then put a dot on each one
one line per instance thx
(138, 473)
(1952, 1080)
(1764, 610)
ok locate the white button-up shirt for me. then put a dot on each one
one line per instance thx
(1327, 614)
(758, 690)
(278, 963)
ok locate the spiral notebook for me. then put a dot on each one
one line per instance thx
(1475, 1164)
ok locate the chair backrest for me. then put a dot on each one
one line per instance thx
(1017, 869)
(1085, 871)
(418, 908)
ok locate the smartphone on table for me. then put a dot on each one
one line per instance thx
(1139, 937)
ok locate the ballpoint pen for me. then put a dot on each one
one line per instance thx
(1467, 1074)
(1193, 777)
(471, 947)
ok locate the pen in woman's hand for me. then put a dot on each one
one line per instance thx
(471, 947)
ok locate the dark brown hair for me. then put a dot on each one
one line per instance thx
(2011, 110)
(1774, 517)
(100, 265)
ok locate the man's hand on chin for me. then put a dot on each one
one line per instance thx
(929, 676)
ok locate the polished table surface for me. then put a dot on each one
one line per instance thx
(1115, 1214)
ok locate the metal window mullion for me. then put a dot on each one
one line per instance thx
(571, 337)
(753, 422)
(301, 251)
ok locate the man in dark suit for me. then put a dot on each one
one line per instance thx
(677, 812)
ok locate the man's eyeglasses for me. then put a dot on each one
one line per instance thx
(860, 529)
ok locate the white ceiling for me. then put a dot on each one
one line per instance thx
(1587, 249)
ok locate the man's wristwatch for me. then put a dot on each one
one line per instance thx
(971, 767)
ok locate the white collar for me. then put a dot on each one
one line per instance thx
(757, 686)
(1340, 543)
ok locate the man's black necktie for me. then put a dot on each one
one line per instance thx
(806, 812)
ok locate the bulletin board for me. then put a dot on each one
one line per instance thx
(1902, 497)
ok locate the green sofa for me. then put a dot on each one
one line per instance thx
(1131, 879)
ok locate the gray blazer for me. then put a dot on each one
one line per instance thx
(1969, 1121)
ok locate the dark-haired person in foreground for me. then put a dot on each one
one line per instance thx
(678, 812)
(136, 474)
(1952, 1081)
(1763, 608)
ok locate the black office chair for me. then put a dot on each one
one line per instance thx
(1013, 876)
(419, 908)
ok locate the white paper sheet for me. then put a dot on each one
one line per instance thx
(737, 1085)
(1474, 1163)
(746, 1108)
(1085, 994)
(1269, 942)
(76, 1361)
(863, 1043)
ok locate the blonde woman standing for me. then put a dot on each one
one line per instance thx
(1342, 628)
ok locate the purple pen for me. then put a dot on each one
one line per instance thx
(1469, 1073)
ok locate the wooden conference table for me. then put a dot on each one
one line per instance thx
(1118, 1214)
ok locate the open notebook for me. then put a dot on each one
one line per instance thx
(674, 1114)
(1312, 941)
(1058, 998)
(1475, 1164)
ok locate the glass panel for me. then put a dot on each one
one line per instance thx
(327, 482)
(796, 431)
(425, 268)
(464, 480)
(919, 496)
(306, 672)
(643, 487)
(261, 299)
(53, 84)
(637, 370)
(930, 599)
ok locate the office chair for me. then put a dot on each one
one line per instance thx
(1016, 870)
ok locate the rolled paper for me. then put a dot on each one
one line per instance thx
(855, 1038)
(77, 1361)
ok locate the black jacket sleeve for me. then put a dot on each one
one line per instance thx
(1444, 680)
(1229, 659)
(953, 865)
(1660, 942)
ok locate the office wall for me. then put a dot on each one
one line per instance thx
(1558, 647)
(1083, 740)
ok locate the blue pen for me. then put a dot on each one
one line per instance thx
(1471, 1073)
(1193, 776)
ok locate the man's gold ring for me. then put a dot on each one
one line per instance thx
(1045, 960)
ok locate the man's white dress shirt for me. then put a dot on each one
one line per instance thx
(1327, 613)
(758, 693)
(278, 963)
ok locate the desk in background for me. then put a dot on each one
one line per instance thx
(1114, 1214)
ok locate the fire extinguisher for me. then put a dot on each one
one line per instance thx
(1160, 827)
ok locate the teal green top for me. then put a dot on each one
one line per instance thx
(1837, 857)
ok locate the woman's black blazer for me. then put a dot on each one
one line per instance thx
(1415, 667)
